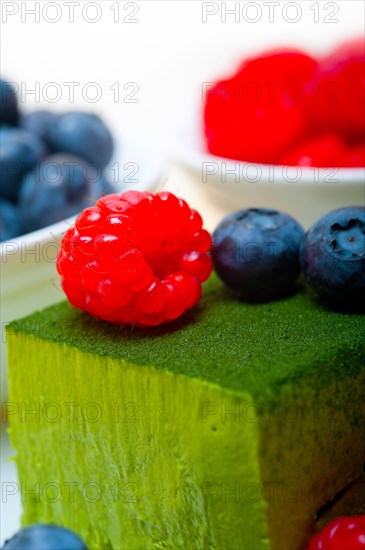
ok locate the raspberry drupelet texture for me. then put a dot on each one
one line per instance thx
(344, 533)
(135, 258)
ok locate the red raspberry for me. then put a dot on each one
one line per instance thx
(345, 533)
(258, 113)
(135, 258)
(327, 150)
(354, 156)
(335, 97)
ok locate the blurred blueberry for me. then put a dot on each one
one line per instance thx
(38, 122)
(9, 113)
(106, 187)
(256, 252)
(19, 153)
(58, 188)
(9, 220)
(83, 135)
(45, 537)
(333, 256)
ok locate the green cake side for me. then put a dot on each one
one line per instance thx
(227, 429)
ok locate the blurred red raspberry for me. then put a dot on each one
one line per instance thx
(258, 113)
(326, 150)
(354, 156)
(335, 97)
(344, 533)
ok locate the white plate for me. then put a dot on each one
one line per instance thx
(305, 193)
(10, 506)
(29, 280)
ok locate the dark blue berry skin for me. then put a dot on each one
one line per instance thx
(9, 113)
(332, 256)
(38, 122)
(58, 188)
(9, 220)
(45, 537)
(19, 153)
(256, 252)
(106, 187)
(83, 135)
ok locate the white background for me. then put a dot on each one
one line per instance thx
(168, 53)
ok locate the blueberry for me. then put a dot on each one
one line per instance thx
(19, 153)
(83, 135)
(9, 220)
(106, 187)
(58, 188)
(256, 252)
(333, 255)
(45, 537)
(38, 122)
(9, 114)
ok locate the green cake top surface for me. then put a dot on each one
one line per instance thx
(236, 345)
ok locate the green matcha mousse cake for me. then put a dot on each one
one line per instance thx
(231, 428)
